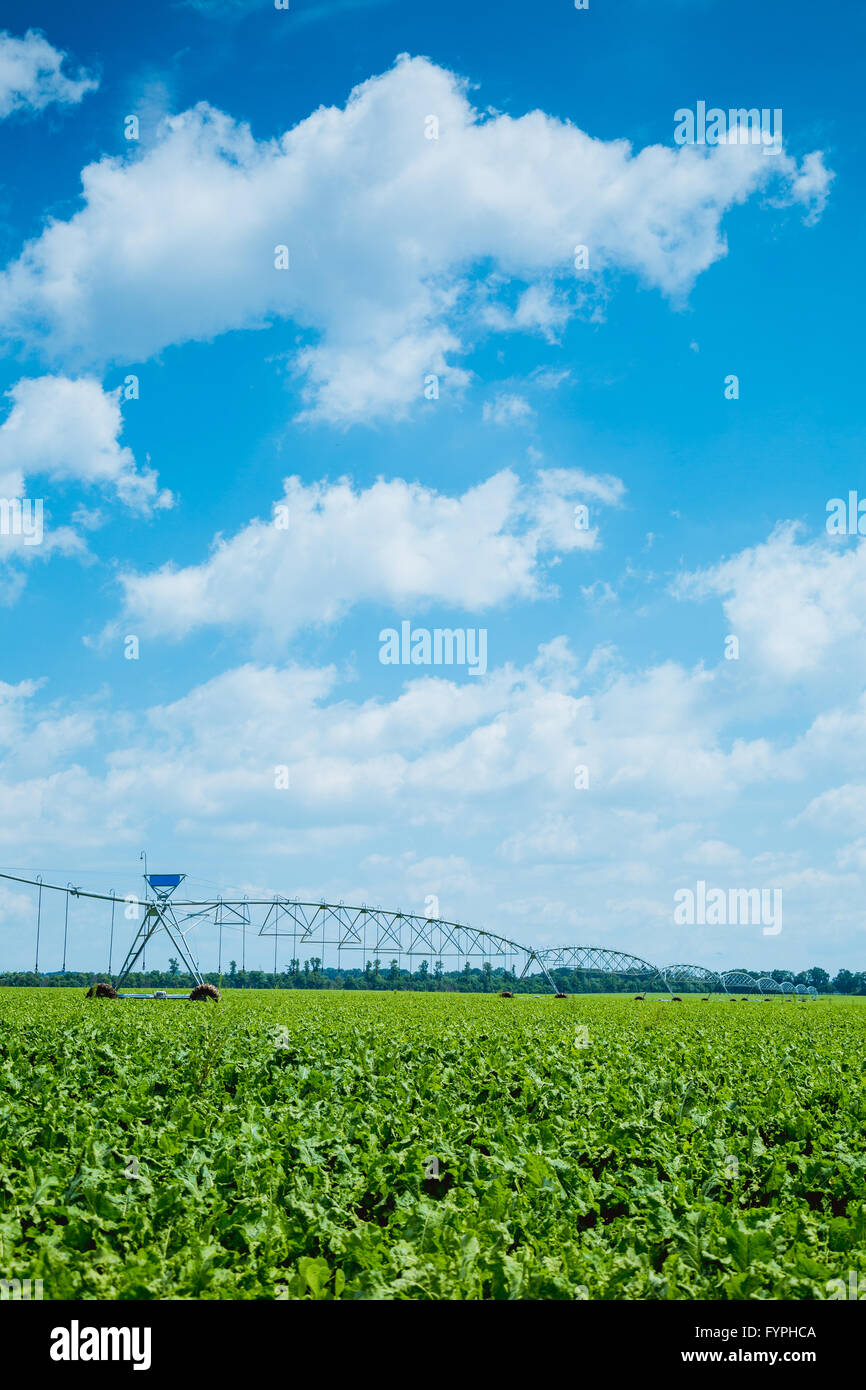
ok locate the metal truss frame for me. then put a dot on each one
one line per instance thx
(369, 930)
(372, 931)
(595, 958)
(375, 930)
(737, 981)
(770, 986)
(685, 974)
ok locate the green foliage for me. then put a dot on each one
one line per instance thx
(365, 1145)
(484, 979)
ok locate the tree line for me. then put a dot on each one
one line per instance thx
(311, 974)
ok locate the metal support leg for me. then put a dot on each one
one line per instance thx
(531, 956)
(154, 918)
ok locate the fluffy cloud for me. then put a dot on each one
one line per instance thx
(66, 430)
(810, 186)
(491, 761)
(31, 77)
(841, 808)
(33, 737)
(394, 542)
(226, 7)
(430, 749)
(798, 608)
(177, 242)
(507, 408)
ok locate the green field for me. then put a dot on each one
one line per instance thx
(281, 1141)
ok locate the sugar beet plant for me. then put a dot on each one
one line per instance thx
(375, 1146)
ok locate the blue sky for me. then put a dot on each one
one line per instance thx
(604, 387)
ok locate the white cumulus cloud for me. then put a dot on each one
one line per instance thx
(31, 77)
(393, 542)
(66, 429)
(797, 607)
(177, 242)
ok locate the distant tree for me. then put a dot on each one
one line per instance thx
(818, 978)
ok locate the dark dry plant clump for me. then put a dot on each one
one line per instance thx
(101, 991)
(206, 992)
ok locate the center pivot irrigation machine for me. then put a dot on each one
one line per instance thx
(354, 934)
(351, 933)
(728, 983)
